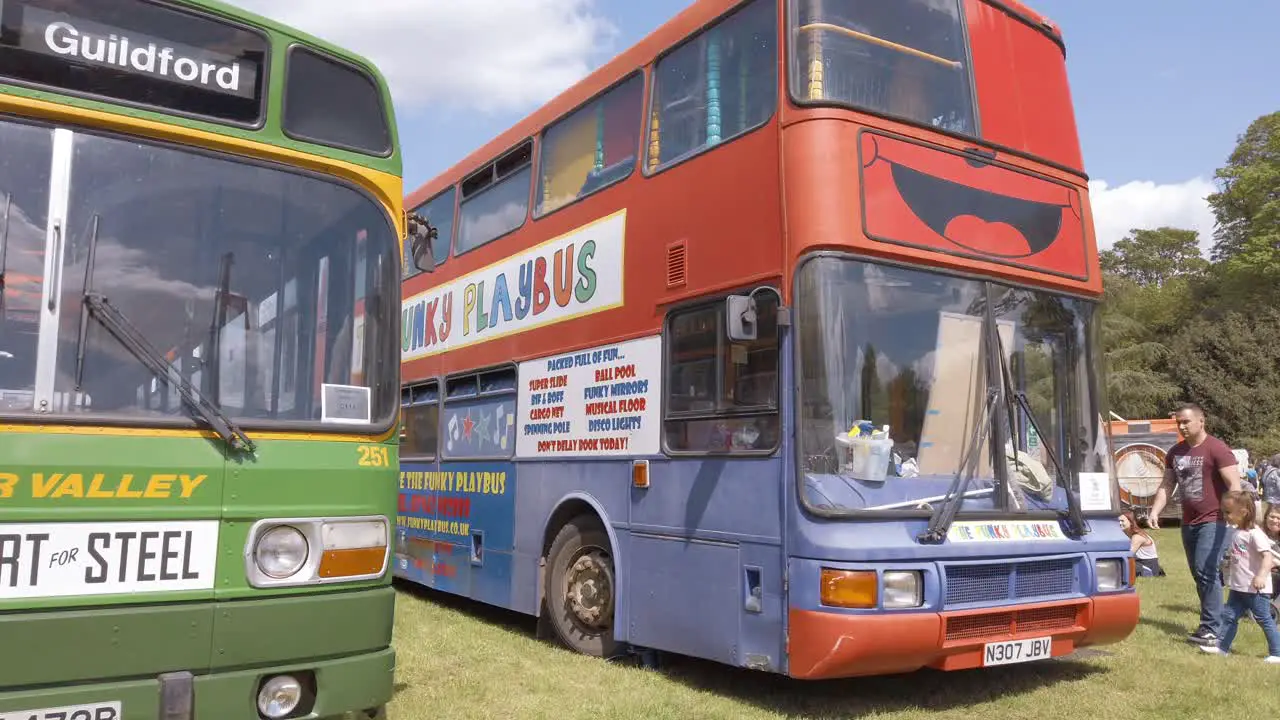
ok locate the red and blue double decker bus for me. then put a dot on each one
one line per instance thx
(774, 341)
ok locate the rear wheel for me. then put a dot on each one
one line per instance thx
(581, 591)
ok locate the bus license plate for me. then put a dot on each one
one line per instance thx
(96, 711)
(48, 560)
(1016, 651)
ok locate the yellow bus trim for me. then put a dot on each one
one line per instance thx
(255, 435)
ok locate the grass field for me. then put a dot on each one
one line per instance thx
(466, 660)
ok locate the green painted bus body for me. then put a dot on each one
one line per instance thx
(77, 650)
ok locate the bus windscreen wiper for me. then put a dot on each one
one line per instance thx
(97, 305)
(945, 512)
(1075, 520)
(114, 321)
(4, 246)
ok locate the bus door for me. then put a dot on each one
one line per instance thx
(706, 557)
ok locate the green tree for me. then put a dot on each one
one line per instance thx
(1248, 206)
(1176, 327)
(1149, 279)
(1155, 257)
(1228, 364)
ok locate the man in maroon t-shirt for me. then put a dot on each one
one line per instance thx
(1206, 469)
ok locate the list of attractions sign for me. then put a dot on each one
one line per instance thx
(601, 401)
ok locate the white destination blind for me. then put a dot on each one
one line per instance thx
(45, 560)
(84, 41)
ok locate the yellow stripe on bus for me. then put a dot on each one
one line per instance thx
(256, 435)
(387, 188)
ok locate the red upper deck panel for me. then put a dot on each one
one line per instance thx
(1004, 197)
(898, 146)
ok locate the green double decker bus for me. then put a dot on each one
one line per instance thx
(201, 231)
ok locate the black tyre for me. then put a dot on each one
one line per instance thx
(581, 591)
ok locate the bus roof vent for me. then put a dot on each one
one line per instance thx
(676, 264)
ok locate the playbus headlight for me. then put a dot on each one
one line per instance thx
(1110, 574)
(903, 589)
(281, 551)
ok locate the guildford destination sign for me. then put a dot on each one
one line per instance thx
(163, 57)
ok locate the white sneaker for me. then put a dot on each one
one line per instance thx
(1214, 650)
(1274, 659)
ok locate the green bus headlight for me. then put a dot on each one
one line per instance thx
(281, 551)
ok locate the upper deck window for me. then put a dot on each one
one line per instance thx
(332, 103)
(716, 86)
(592, 148)
(905, 59)
(140, 53)
(495, 200)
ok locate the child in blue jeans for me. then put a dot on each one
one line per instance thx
(1248, 576)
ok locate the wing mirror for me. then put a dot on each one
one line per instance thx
(740, 317)
(422, 235)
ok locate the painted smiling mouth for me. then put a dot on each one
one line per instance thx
(979, 220)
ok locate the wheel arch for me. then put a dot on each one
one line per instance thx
(568, 507)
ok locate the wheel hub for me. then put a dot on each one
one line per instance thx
(590, 590)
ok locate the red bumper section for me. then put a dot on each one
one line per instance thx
(830, 645)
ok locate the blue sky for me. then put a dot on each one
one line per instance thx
(1162, 89)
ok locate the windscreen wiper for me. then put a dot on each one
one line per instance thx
(4, 246)
(97, 306)
(114, 321)
(945, 513)
(942, 517)
(1075, 520)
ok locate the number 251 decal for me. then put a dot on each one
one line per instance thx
(374, 456)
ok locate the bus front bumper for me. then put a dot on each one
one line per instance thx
(825, 645)
(137, 657)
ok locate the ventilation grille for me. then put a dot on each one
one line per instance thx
(676, 264)
(1004, 625)
(1003, 582)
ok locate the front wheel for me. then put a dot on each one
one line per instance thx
(581, 592)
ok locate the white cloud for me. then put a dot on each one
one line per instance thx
(1145, 205)
(486, 55)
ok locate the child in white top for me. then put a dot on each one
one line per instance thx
(1142, 545)
(1248, 576)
